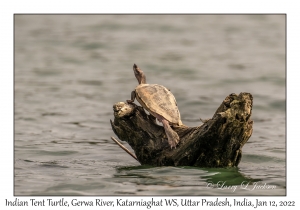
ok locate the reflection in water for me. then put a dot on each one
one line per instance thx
(208, 180)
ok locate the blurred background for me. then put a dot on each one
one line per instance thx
(71, 69)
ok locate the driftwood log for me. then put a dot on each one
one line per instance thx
(217, 142)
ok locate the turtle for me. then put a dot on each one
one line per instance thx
(159, 102)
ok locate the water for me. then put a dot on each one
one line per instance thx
(71, 69)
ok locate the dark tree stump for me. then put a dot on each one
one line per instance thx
(217, 142)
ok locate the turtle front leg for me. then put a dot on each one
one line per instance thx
(132, 98)
(173, 137)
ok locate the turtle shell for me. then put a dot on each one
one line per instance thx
(158, 99)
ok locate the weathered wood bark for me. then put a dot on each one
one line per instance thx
(217, 142)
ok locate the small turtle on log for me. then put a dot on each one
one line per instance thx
(159, 102)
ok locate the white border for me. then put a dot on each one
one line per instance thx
(8, 8)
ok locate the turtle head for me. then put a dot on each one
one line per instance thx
(139, 74)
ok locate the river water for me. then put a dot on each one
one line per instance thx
(71, 69)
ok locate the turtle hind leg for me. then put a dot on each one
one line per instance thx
(173, 137)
